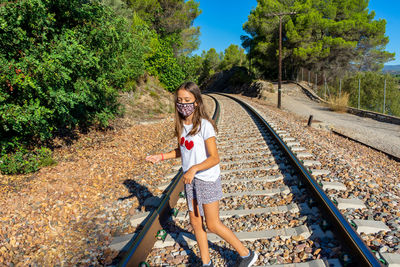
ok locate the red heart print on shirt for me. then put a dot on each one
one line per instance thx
(189, 145)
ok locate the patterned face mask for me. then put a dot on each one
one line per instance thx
(186, 109)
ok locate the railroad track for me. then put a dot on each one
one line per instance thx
(270, 200)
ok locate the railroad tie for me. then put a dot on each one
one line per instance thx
(188, 239)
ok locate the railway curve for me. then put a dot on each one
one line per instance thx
(273, 199)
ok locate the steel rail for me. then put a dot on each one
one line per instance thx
(360, 252)
(141, 244)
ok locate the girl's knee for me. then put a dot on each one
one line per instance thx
(213, 225)
(196, 221)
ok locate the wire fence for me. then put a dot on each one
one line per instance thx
(332, 87)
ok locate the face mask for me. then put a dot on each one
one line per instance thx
(185, 109)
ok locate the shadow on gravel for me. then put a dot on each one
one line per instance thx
(323, 108)
(140, 192)
(148, 202)
(226, 253)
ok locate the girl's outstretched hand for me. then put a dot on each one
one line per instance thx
(188, 176)
(154, 158)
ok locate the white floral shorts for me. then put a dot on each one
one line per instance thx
(204, 192)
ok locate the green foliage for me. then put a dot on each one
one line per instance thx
(192, 66)
(166, 16)
(168, 42)
(24, 161)
(396, 77)
(233, 56)
(61, 63)
(372, 92)
(165, 65)
(190, 40)
(171, 18)
(121, 9)
(211, 61)
(333, 36)
(240, 77)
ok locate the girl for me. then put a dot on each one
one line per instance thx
(200, 164)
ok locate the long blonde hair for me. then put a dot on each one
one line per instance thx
(198, 114)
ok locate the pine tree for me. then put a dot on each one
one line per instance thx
(324, 35)
(211, 62)
(233, 56)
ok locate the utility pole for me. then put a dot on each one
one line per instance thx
(280, 15)
(250, 60)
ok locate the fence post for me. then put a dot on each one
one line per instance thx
(327, 88)
(301, 74)
(384, 97)
(309, 73)
(340, 87)
(316, 81)
(359, 84)
(324, 86)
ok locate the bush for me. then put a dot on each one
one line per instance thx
(241, 76)
(372, 92)
(61, 65)
(339, 103)
(192, 67)
(164, 64)
(24, 161)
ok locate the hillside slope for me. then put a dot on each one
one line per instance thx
(148, 102)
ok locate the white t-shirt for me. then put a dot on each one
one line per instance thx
(194, 151)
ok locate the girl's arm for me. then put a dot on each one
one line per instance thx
(211, 161)
(176, 153)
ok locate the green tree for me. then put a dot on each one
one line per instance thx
(61, 63)
(211, 62)
(371, 52)
(190, 40)
(192, 67)
(121, 9)
(166, 28)
(163, 64)
(171, 18)
(233, 56)
(328, 35)
(371, 91)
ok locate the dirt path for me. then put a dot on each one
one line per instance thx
(381, 135)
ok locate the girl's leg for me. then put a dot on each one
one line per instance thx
(214, 224)
(201, 236)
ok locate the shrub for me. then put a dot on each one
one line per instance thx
(24, 161)
(164, 64)
(372, 92)
(240, 77)
(339, 103)
(61, 65)
(192, 67)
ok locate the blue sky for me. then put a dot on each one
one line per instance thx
(221, 23)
